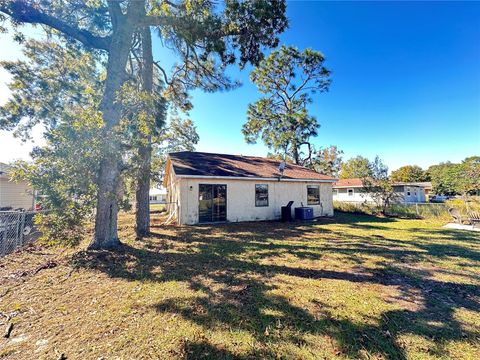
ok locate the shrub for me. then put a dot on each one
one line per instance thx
(471, 204)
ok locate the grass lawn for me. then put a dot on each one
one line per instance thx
(157, 207)
(351, 287)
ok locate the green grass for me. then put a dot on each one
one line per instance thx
(352, 287)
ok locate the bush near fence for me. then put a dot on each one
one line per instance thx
(472, 204)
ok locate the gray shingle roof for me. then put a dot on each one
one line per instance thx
(209, 164)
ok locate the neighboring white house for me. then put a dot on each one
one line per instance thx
(158, 196)
(351, 190)
(204, 188)
(14, 194)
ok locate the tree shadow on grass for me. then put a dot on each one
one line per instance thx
(236, 292)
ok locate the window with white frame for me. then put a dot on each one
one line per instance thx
(350, 192)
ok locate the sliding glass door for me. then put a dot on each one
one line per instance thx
(212, 203)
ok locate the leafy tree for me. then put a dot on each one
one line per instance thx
(409, 173)
(206, 37)
(378, 184)
(357, 167)
(179, 135)
(289, 79)
(445, 178)
(53, 83)
(470, 175)
(62, 171)
(450, 179)
(59, 86)
(328, 161)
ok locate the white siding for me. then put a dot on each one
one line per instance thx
(417, 195)
(241, 198)
(357, 197)
(15, 194)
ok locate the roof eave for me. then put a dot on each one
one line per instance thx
(255, 178)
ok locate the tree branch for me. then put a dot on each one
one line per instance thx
(22, 12)
(165, 77)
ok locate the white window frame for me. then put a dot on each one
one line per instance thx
(352, 193)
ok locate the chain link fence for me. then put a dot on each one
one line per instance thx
(17, 228)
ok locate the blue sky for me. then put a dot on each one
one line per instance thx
(405, 83)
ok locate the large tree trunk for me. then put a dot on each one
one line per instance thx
(106, 236)
(145, 150)
(295, 154)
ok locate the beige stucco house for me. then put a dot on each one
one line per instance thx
(14, 194)
(205, 188)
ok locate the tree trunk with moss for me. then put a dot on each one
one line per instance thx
(106, 236)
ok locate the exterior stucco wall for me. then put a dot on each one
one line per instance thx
(241, 199)
(173, 195)
(15, 194)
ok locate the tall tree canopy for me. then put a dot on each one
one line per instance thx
(450, 178)
(289, 79)
(470, 175)
(206, 38)
(409, 173)
(357, 167)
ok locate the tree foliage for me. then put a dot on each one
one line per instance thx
(327, 161)
(204, 36)
(179, 135)
(289, 79)
(378, 185)
(357, 167)
(450, 179)
(59, 87)
(410, 173)
(54, 82)
(63, 172)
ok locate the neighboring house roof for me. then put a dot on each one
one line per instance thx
(4, 169)
(200, 164)
(408, 184)
(348, 183)
(424, 184)
(357, 182)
